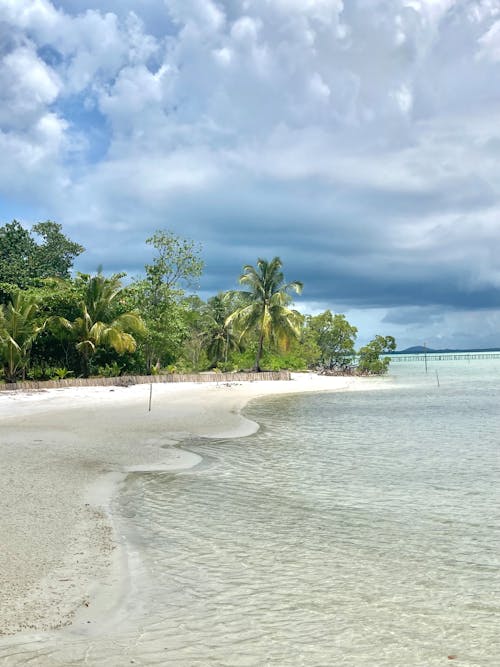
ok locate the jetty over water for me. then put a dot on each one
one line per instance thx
(444, 356)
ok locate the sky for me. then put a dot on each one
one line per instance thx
(358, 140)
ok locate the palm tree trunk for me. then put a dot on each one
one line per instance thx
(10, 372)
(85, 366)
(260, 347)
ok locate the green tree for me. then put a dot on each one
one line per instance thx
(54, 257)
(19, 326)
(23, 260)
(16, 251)
(369, 356)
(335, 338)
(160, 296)
(177, 263)
(266, 306)
(102, 320)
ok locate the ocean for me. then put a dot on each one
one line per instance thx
(354, 528)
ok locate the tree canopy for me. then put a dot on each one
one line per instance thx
(28, 256)
(335, 338)
(159, 296)
(369, 355)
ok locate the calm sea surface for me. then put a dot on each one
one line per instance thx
(357, 528)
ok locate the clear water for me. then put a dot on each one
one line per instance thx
(357, 528)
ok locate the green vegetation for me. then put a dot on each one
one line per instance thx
(19, 326)
(24, 261)
(55, 325)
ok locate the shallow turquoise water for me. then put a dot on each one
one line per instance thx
(356, 528)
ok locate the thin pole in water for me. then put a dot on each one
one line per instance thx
(437, 378)
(150, 396)
(425, 357)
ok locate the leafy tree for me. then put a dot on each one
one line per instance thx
(177, 263)
(159, 297)
(19, 326)
(369, 355)
(16, 250)
(23, 260)
(303, 352)
(164, 319)
(54, 257)
(266, 306)
(102, 321)
(335, 338)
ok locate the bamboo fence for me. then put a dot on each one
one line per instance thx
(128, 380)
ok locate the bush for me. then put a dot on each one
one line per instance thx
(289, 361)
(60, 373)
(110, 370)
(369, 362)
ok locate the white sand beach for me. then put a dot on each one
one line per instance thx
(63, 453)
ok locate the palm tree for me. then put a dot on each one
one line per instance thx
(100, 322)
(266, 309)
(19, 326)
(220, 337)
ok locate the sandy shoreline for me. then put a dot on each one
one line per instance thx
(62, 454)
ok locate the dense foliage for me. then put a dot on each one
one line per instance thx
(54, 324)
(26, 257)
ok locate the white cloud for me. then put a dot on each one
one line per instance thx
(137, 92)
(324, 11)
(245, 29)
(206, 14)
(481, 10)
(489, 43)
(319, 88)
(432, 10)
(223, 56)
(27, 87)
(39, 16)
(404, 99)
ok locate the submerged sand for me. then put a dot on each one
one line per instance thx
(63, 453)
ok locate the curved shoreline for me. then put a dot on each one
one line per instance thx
(64, 452)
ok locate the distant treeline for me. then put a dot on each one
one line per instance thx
(54, 324)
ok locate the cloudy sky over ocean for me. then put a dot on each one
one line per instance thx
(357, 140)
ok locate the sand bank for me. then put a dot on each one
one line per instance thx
(62, 453)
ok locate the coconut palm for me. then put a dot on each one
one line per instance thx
(220, 337)
(100, 323)
(19, 326)
(266, 308)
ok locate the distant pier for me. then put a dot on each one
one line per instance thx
(442, 356)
